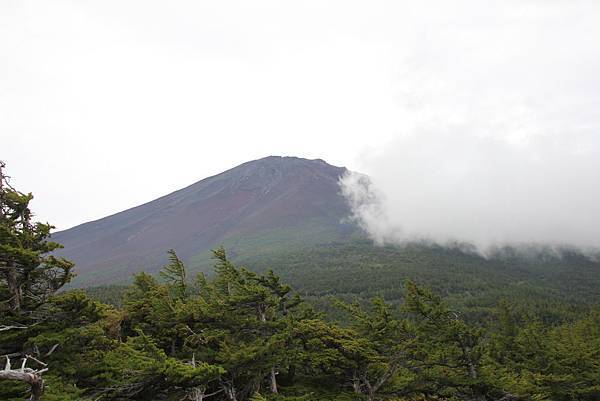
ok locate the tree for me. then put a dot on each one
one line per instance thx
(381, 348)
(175, 275)
(252, 306)
(241, 321)
(272, 302)
(449, 350)
(533, 361)
(28, 276)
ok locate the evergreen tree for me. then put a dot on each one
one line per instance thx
(28, 278)
(252, 306)
(28, 275)
(449, 349)
(175, 274)
(381, 350)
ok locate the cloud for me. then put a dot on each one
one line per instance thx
(498, 138)
(481, 190)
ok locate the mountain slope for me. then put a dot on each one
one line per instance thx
(269, 203)
(551, 283)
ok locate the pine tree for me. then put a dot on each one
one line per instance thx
(381, 348)
(246, 322)
(450, 350)
(175, 274)
(28, 275)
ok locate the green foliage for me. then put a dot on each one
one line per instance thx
(108, 294)
(448, 349)
(380, 349)
(553, 285)
(174, 273)
(549, 363)
(28, 275)
(242, 335)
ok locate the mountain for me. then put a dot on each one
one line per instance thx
(260, 206)
(287, 214)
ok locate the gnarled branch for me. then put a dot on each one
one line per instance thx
(30, 376)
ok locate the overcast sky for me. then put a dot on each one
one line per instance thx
(107, 104)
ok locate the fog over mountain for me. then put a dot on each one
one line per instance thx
(498, 133)
(480, 190)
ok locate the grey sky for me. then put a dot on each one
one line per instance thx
(108, 104)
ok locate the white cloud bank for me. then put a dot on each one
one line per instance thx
(499, 132)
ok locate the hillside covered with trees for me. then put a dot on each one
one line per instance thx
(244, 334)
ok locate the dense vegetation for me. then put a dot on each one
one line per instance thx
(554, 284)
(244, 335)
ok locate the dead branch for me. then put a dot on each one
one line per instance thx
(30, 376)
(5, 328)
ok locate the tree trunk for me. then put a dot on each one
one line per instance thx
(273, 381)
(14, 287)
(230, 392)
(262, 313)
(198, 393)
(356, 386)
(371, 390)
(472, 369)
(355, 383)
(34, 380)
(37, 388)
(466, 351)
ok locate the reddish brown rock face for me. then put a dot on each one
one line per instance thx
(274, 193)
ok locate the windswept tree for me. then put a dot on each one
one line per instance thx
(252, 337)
(175, 275)
(240, 322)
(381, 351)
(449, 349)
(28, 274)
(28, 277)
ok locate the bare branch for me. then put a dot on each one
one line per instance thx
(37, 360)
(30, 376)
(52, 349)
(5, 328)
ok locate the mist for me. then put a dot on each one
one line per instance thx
(483, 191)
(498, 142)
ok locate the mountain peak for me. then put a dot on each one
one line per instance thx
(290, 162)
(274, 200)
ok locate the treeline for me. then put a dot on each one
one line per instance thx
(552, 285)
(245, 336)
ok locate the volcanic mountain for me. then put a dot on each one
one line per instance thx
(260, 206)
